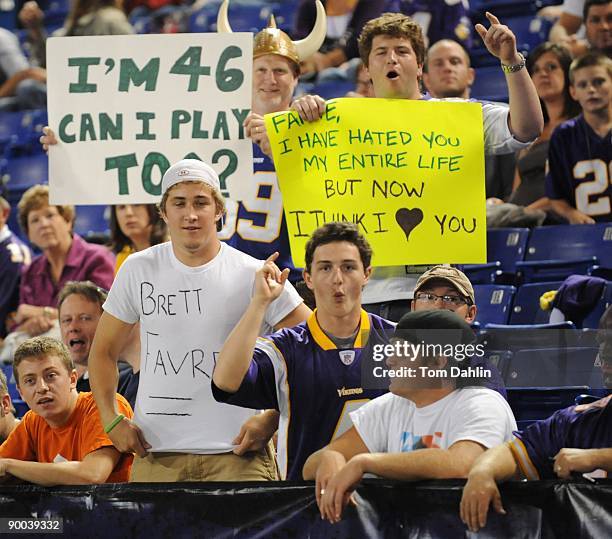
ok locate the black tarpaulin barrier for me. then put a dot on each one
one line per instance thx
(537, 509)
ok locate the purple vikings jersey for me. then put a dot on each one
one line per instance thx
(579, 169)
(300, 372)
(439, 19)
(13, 256)
(257, 226)
(535, 447)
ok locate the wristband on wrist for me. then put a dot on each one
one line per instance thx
(114, 423)
(513, 68)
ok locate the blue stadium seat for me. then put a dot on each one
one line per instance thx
(143, 24)
(493, 302)
(501, 8)
(526, 307)
(91, 223)
(284, 14)
(514, 338)
(530, 31)
(24, 172)
(333, 88)
(12, 387)
(592, 319)
(490, 84)
(481, 273)
(10, 124)
(205, 19)
(530, 404)
(56, 14)
(555, 252)
(244, 15)
(553, 270)
(20, 132)
(554, 367)
(500, 359)
(507, 246)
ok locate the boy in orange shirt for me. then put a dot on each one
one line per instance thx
(60, 441)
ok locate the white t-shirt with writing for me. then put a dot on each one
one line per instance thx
(393, 424)
(185, 315)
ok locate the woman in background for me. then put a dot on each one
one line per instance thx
(135, 227)
(64, 257)
(548, 66)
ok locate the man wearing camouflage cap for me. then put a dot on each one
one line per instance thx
(443, 287)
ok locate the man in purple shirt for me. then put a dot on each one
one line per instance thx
(65, 257)
(577, 439)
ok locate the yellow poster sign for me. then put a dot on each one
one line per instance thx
(409, 173)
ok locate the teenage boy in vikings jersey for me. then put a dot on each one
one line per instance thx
(579, 173)
(311, 373)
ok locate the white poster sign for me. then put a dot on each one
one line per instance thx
(124, 108)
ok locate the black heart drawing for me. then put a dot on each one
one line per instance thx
(408, 220)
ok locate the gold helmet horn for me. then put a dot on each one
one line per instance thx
(271, 40)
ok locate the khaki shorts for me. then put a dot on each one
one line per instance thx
(176, 467)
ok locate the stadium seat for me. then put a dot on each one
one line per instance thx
(481, 273)
(244, 15)
(10, 124)
(56, 14)
(333, 88)
(12, 387)
(531, 404)
(529, 30)
(553, 270)
(514, 338)
(501, 7)
(490, 84)
(592, 319)
(20, 173)
(555, 252)
(568, 242)
(91, 223)
(144, 23)
(554, 367)
(284, 14)
(20, 131)
(205, 19)
(526, 307)
(507, 246)
(500, 359)
(494, 303)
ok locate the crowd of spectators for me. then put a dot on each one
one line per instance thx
(153, 351)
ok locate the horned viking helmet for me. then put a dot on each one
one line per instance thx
(272, 40)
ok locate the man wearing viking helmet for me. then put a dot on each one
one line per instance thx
(257, 225)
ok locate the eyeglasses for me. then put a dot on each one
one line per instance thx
(455, 301)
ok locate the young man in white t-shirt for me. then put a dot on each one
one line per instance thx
(187, 295)
(432, 425)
